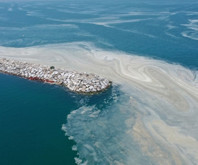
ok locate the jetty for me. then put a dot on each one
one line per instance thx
(86, 83)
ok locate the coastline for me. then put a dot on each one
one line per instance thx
(93, 83)
(118, 67)
(83, 83)
(153, 87)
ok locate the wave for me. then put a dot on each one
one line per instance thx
(152, 120)
(192, 32)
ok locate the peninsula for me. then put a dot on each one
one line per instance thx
(77, 82)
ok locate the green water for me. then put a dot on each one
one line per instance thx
(31, 116)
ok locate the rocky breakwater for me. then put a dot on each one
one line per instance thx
(77, 82)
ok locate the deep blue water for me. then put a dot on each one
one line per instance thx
(32, 113)
(31, 117)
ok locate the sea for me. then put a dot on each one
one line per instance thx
(43, 124)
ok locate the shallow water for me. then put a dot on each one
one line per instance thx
(150, 114)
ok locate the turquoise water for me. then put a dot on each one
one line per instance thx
(34, 117)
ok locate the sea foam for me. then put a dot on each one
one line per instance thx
(152, 121)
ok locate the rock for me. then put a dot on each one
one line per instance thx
(77, 82)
